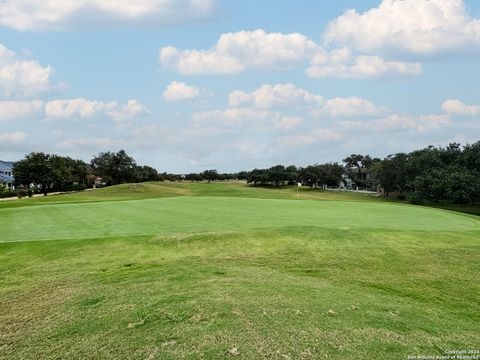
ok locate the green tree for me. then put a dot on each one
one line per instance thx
(358, 167)
(257, 177)
(291, 174)
(470, 158)
(114, 168)
(390, 173)
(38, 169)
(332, 174)
(145, 173)
(277, 175)
(309, 175)
(210, 175)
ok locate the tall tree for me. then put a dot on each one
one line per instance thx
(470, 157)
(390, 173)
(333, 174)
(358, 167)
(277, 175)
(210, 175)
(37, 169)
(145, 173)
(114, 168)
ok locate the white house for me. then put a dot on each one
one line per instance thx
(6, 174)
(347, 183)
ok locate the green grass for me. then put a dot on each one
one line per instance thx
(227, 271)
(165, 189)
(202, 214)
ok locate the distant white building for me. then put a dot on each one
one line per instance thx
(347, 183)
(6, 174)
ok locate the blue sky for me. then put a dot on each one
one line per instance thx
(195, 84)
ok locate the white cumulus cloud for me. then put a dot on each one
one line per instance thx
(245, 119)
(240, 117)
(12, 138)
(269, 96)
(83, 108)
(11, 109)
(34, 15)
(289, 122)
(351, 106)
(288, 95)
(88, 142)
(396, 123)
(363, 67)
(22, 78)
(454, 106)
(132, 110)
(313, 136)
(235, 52)
(178, 91)
(423, 27)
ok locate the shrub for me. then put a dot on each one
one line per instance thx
(74, 187)
(79, 187)
(22, 193)
(7, 193)
(413, 198)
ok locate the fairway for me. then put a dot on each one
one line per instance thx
(186, 271)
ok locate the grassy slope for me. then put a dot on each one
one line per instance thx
(161, 190)
(311, 282)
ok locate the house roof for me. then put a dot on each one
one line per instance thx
(6, 166)
(6, 179)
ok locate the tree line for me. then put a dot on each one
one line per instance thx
(329, 174)
(318, 175)
(41, 172)
(432, 174)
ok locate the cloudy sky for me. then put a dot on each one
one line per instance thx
(185, 85)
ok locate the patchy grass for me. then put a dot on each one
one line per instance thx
(247, 277)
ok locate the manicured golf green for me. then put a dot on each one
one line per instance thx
(197, 214)
(167, 271)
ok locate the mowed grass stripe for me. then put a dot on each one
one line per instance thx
(201, 214)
